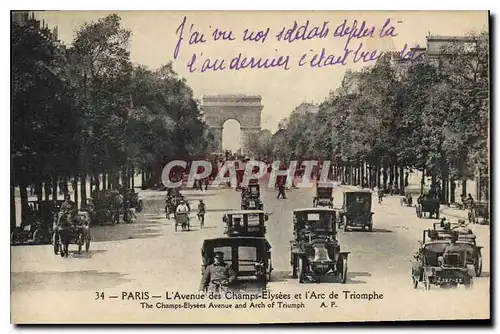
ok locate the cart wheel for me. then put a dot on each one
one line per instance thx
(300, 270)
(38, 236)
(343, 270)
(294, 265)
(479, 265)
(55, 244)
(269, 271)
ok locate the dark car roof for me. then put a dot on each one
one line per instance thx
(360, 191)
(248, 212)
(234, 241)
(314, 210)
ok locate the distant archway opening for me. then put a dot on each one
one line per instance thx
(231, 136)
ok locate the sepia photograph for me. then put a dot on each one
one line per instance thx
(249, 167)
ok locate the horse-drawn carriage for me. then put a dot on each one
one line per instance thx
(249, 223)
(315, 251)
(479, 210)
(250, 197)
(432, 265)
(249, 258)
(39, 225)
(323, 196)
(356, 210)
(427, 204)
(70, 231)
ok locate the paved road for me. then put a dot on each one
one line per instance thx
(150, 256)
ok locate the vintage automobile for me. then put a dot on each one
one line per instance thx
(37, 229)
(314, 251)
(249, 257)
(356, 210)
(479, 210)
(66, 233)
(426, 204)
(465, 236)
(250, 197)
(248, 223)
(323, 195)
(453, 269)
(106, 207)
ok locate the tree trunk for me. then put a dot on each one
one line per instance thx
(54, 187)
(132, 177)
(46, 190)
(39, 191)
(384, 176)
(83, 190)
(143, 178)
(97, 182)
(422, 181)
(464, 187)
(12, 207)
(65, 186)
(402, 180)
(74, 184)
(105, 181)
(24, 203)
(377, 176)
(452, 190)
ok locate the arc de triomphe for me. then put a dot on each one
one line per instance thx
(246, 109)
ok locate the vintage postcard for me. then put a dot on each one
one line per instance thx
(249, 167)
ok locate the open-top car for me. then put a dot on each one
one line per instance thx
(249, 223)
(315, 251)
(250, 197)
(356, 210)
(433, 265)
(427, 204)
(249, 258)
(323, 196)
(464, 236)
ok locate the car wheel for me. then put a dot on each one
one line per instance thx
(300, 270)
(479, 265)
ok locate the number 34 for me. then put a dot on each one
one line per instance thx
(99, 295)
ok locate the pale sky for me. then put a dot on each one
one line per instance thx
(154, 38)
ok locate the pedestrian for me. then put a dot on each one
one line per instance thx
(281, 191)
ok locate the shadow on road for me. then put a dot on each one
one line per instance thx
(119, 232)
(85, 255)
(485, 274)
(281, 276)
(375, 230)
(69, 280)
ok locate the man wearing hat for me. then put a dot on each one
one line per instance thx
(462, 228)
(218, 271)
(451, 248)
